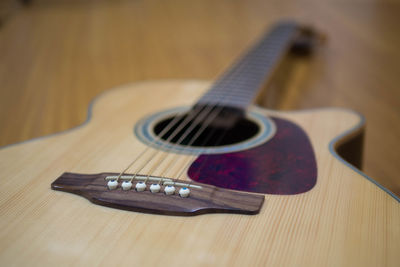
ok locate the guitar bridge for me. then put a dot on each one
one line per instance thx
(171, 198)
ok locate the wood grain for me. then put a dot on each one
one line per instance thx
(345, 220)
(56, 56)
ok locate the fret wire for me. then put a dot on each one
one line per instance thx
(255, 66)
(232, 93)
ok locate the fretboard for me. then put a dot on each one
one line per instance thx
(238, 86)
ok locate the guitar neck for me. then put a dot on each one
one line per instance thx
(238, 87)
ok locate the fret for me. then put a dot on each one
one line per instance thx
(239, 85)
(232, 94)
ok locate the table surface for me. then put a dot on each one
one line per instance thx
(56, 56)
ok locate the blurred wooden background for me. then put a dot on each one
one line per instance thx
(55, 56)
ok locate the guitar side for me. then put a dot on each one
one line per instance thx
(345, 219)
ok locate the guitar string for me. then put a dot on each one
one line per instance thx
(264, 45)
(191, 128)
(162, 133)
(194, 124)
(205, 125)
(189, 159)
(193, 139)
(172, 136)
(170, 125)
(188, 131)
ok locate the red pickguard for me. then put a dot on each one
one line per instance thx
(284, 165)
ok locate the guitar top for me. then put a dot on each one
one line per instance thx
(261, 187)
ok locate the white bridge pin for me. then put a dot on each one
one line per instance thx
(155, 188)
(184, 192)
(169, 190)
(126, 185)
(140, 186)
(112, 184)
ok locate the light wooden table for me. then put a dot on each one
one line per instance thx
(55, 56)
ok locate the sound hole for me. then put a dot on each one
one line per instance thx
(212, 136)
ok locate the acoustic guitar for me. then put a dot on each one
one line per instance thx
(188, 173)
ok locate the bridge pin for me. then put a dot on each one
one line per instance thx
(112, 184)
(140, 186)
(184, 192)
(126, 185)
(169, 190)
(155, 188)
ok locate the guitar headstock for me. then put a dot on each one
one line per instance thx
(306, 41)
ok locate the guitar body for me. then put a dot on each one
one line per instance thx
(342, 220)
